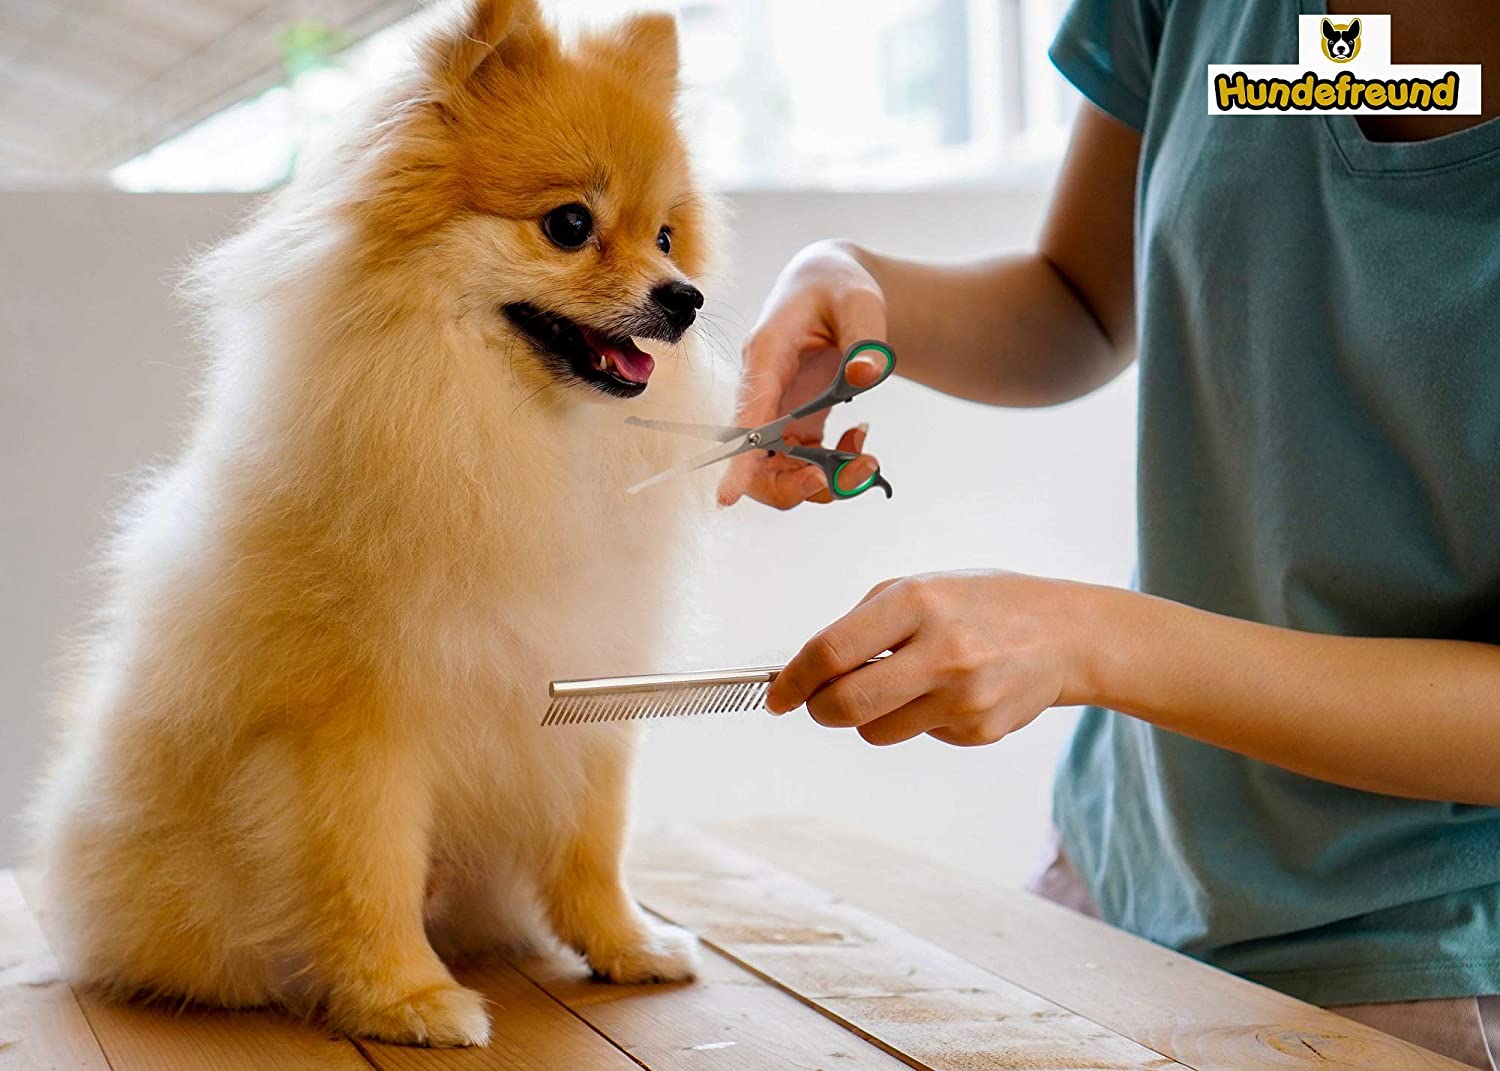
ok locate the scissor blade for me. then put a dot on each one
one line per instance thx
(719, 433)
(718, 453)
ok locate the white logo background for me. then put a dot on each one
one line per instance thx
(1373, 63)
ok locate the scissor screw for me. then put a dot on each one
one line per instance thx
(753, 438)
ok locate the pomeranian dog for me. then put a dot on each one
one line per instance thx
(303, 754)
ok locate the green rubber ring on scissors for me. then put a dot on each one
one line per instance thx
(861, 489)
(769, 436)
(882, 349)
(890, 363)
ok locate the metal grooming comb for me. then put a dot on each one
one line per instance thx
(661, 695)
(658, 695)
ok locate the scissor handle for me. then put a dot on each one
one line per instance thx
(833, 462)
(841, 390)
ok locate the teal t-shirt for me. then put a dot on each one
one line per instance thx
(1319, 341)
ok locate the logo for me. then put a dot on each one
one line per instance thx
(1343, 68)
(1340, 40)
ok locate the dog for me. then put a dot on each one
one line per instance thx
(1340, 45)
(301, 755)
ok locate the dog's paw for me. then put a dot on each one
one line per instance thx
(443, 1016)
(661, 954)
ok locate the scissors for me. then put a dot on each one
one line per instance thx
(769, 436)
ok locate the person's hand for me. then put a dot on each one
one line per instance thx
(823, 302)
(975, 655)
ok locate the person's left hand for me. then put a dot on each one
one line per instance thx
(975, 655)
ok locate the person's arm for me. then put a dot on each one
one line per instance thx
(1035, 328)
(1400, 716)
(978, 655)
(1032, 329)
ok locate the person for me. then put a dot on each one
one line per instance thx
(1289, 764)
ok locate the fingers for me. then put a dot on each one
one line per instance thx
(905, 723)
(853, 440)
(934, 715)
(784, 487)
(866, 694)
(783, 484)
(859, 470)
(834, 304)
(976, 734)
(765, 481)
(738, 478)
(881, 624)
(770, 366)
(878, 588)
(769, 361)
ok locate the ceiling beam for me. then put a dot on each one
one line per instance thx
(83, 121)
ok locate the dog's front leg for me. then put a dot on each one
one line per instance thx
(364, 821)
(584, 893)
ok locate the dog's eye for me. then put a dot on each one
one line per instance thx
(568, 226)
(664, 240)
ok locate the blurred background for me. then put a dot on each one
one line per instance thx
(193, 95)
(134, 132)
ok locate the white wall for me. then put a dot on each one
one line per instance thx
(96, 365)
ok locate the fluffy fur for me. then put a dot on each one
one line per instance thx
(303, 751)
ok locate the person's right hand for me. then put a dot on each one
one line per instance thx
(823, 302)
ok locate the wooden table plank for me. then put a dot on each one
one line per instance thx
(530, 1032)
(934, 969)
(934, 1008)
(140, 1037)
(41, 1025)
(727, 1020)
(145, 1038)
(1202, 1017)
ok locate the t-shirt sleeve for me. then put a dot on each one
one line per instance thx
(1107, 49)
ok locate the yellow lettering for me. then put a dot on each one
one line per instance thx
(1346, 91)
(1302, 92)
(1445, 93)
(1230, 92)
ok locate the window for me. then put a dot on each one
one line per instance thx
(822, 93)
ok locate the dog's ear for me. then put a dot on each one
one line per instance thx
(482, 32)
(1352, 32)
(645, 46)
(1329, 32)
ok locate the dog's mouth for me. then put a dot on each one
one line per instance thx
(608, 362)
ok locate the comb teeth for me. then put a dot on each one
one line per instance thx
(671, 701)
(661, 695)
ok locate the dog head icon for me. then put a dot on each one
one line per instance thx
(1340, 43)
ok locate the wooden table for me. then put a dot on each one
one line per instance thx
(824, 951)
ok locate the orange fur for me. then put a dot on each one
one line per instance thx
(304, 748)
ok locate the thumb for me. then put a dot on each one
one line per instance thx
(865, 369)
(858, 316)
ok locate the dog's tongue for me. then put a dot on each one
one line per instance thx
(628, 360)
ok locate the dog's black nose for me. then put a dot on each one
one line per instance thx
(680, 301)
